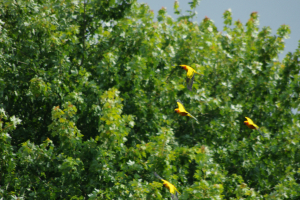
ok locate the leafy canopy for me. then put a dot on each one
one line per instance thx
(88, 91)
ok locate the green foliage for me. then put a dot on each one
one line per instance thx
(88, 92)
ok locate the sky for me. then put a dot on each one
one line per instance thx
(272, 13)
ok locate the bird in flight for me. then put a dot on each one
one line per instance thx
(181, 110)
(190, 75)
(173, 190)
(251, 125)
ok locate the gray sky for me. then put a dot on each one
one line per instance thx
(271, 13)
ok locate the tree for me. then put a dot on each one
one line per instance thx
(88, 91)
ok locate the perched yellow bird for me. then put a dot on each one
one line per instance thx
(250, 124)
(190, 75)
(181, 110)
(173, 190)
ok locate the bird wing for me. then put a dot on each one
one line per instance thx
(174, 196)
(190, 81)
(157, 176)
(172, 188)
(249, 120)
(180, 106)
(174, 192)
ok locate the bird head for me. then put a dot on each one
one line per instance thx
(176, 110)
(183, 67)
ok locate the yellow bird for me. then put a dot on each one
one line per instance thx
(250, 124)
(173, 190)
(181, 110)
(190, 75)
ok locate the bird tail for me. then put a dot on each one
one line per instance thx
(198, 73)
(193, 118)
(260, 131)
(157, 176)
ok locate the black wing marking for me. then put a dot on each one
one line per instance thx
(189, 82)
(157, 176)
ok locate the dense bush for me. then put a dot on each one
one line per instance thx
(88, 91)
